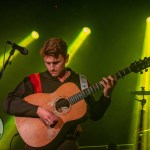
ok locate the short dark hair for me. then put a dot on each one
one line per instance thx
(54, 47)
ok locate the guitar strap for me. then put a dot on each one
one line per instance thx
(35, 80)
(83, 82)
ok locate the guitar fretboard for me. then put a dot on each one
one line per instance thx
(92, 89)
(122, 73)
(81, 95)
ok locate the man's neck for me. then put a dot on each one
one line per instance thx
(65, 74)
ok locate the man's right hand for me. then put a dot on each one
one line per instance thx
(49, 118)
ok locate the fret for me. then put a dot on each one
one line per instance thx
(129, 69)
(78, 96)
(72, 99)
(89, 92)
(98, 85)
(124, 72)
(115, 76)
(120, 75)
(85, 91)
(84, 94)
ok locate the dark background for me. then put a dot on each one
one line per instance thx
(116, 40)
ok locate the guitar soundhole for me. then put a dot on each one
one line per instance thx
(62, 105)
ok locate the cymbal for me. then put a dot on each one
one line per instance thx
(141, 92)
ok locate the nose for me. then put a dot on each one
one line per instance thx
(51, 67)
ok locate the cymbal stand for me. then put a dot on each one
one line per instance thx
(140, 134)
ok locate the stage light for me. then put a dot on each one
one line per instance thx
(87, 30)
(74, 46)
(148, 19)
(35, 34)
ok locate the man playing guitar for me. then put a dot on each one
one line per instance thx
(53, 103)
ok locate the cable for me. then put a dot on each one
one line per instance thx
(12, 140)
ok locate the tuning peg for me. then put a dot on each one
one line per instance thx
(146, 70)
(145, 58)
(141, 72)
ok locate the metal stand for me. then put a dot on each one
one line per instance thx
(140, 133)
(7, 62)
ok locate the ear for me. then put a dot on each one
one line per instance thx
(67, 58)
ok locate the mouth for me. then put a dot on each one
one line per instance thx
(53, 73)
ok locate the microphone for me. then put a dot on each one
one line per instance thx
(22, 50)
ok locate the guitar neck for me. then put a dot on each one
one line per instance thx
(122, 73)
(86, 92)
(92, 89)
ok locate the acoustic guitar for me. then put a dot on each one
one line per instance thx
(68, 103)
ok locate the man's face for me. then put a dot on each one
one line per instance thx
(55, 65)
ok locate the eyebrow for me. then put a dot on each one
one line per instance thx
(52, 62)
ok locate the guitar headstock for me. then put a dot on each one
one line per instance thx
(139, 66)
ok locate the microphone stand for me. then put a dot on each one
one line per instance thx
(140, 134)
(7, 62)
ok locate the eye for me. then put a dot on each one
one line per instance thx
(48, 63)
(55, 62)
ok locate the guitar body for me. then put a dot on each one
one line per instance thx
(35, 132)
